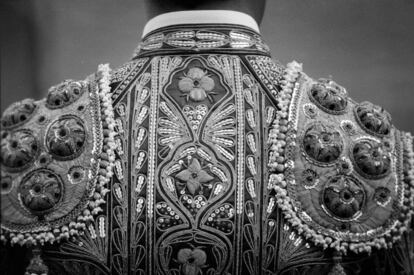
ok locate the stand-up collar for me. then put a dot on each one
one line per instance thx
(201, 17)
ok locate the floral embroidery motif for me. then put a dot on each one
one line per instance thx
(348, 127)
(191, 260)
(195, 179)
(344, 166)
(76, 174)
(194, 176)
(310, 110)
(310, 178)
(382, 196)
(196, 85)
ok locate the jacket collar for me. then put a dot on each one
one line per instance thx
(200, 17)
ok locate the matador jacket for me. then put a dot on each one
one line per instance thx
(202, 155)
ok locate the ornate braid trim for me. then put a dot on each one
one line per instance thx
(84, 213)
(202, 39)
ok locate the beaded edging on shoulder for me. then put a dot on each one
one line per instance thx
(57, 156)
(269, 71)
(342, 174)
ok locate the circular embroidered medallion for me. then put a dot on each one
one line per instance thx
(40, 191)
(18, 113)
(373, 119)
(322, 143)
(343, 198)
(64, 94)
(66, 137)
(372, 159)
(330, 98)
(18, 149)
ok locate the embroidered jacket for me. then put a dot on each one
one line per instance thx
(203, 156)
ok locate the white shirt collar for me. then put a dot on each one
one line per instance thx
(201, 17)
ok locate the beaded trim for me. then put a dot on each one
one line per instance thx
(408, 208)
(103, 161)
(268, 71)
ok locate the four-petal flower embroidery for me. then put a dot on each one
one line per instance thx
(196, 84)
(194, 176)
(191, 260)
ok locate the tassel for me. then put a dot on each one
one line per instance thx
(337, 269)
(37, 266)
